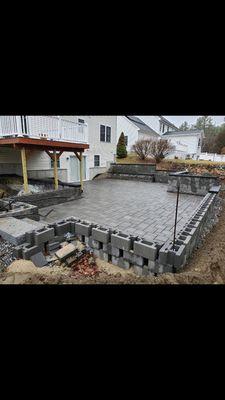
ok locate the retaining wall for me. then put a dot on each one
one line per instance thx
(191, 184)
(20, 210)
(53, 197)
(132, 169)
(126, 251)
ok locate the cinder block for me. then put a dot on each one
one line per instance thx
(107, 248)
(151, 266)
(39, 260)
(83, 228)
(96, 244)
(138, 270)
(145, 249)
(96, 253)
(115, 251)
(129, 256)
(138, 260)
(121, 241)
(120, 262)
(63, 227)
(53, 246)
(30, 237)
(29, 251)
(18, 252)
(101, 234)
(43, 235)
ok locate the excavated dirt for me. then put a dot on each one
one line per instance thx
(207, 266)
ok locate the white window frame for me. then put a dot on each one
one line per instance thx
(97, 166)
(106, 126)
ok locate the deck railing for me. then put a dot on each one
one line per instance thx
(49, 127)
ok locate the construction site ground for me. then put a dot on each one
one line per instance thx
(207, 266)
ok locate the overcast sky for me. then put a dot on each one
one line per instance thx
(191, 119)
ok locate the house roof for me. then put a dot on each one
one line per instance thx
(141, 124)
(189, 132)
(163, 119)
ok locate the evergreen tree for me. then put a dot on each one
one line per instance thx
(121, 147)
(184, 126)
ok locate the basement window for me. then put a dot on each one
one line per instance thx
(97, 161)
(126, 140)
(52, 164)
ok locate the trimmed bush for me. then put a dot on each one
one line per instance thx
(121, 147)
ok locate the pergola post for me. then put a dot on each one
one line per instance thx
(81, 171)
(56, 170)
(24, 169)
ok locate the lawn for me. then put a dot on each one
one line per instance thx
(134, 159)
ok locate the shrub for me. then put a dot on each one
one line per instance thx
(142, 148)
(156, 148)
(121, 147)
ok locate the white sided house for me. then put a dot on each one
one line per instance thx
(134, 129)
(97, 131)
(158, 123)
(188, 144)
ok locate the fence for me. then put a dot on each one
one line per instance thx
(49, 127)
(212, 157)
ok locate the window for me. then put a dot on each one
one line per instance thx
(97, 161)
(102, 133)
(105, 133)
(108, 134)
(126, 140)
(58, 163)
(81, 121)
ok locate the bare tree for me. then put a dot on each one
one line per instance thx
(160, 149)
(157, 149)
(143, 148)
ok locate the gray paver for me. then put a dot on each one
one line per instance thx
(141, 208)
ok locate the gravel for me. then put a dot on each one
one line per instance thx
(6, 254)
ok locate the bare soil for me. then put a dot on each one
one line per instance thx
(207, 266)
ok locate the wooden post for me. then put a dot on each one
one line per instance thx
(56, 170)
(24, 168)
(81, 171)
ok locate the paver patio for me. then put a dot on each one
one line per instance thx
(140, 208)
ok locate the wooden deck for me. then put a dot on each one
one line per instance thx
(43, 144)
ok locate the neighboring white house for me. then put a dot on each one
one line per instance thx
(99, 131)
(134, 129)
(188, 144)
(158, 123)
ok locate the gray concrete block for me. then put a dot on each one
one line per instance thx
(138, 270)
(18, 252)
(129, 256)
(145, 249)
(29, 251)
(115, 251)
(43, 235)
(101, 234)
(138, 260)
(121, 241)
(96, 244)
(53, 246)
(120, 262)
(63, 227)
(39, 260)
(83, 228)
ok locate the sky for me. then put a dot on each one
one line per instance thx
(191, 119)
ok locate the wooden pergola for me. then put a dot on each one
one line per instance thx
(54, 149)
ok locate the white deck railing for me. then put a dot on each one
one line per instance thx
(49, 127)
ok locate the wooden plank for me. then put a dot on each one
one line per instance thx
(24, 168)
(81, 172)
(56, 171)
(77, 155)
